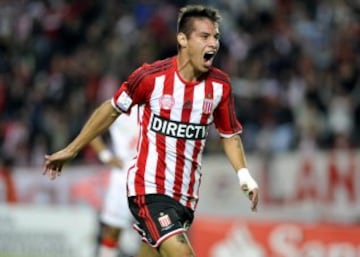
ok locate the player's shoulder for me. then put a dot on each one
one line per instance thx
(218, 75)
(152, 69)
(157, 66)
(160, 64)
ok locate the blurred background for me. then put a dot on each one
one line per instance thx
(294, 67)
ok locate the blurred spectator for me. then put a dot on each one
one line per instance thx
(7, 185)
(294, 66)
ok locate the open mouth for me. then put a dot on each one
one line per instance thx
(208, 56)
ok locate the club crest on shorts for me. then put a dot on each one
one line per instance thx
(164, 220)
(207, 105)
(166, 102)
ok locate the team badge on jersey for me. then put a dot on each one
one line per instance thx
(124, 101)
(207, 105)
(167, 102)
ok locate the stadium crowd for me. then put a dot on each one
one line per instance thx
(294, 67)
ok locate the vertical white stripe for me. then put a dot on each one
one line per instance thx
(176, 111)
(218, 93)
(199, 96)
(195, 117)
(132, 165)
(197, 105)
(150, 169)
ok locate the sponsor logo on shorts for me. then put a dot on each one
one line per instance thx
(178, 129)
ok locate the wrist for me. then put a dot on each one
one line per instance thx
(247, 183)
(105, 155)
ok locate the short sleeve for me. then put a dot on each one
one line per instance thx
(132, 92)
(225, 119)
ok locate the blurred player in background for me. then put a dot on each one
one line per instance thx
(179, 97)
(7, 185)
(116, 218)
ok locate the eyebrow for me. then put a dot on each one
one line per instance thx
(208, 34)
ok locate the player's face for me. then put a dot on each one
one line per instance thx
(203, 44)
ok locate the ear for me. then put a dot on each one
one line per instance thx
(181, 39)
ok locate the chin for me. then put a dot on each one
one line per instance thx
(203, 68)
(206, 68)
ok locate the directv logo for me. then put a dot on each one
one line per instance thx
(177, 129)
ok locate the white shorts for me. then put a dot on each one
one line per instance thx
(115, 211)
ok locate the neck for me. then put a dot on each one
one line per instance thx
(186, 69)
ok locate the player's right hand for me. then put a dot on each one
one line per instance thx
(54, 163)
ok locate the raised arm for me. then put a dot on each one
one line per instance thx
(235, 153)
(99, 121)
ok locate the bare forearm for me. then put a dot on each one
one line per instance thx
(234, 151)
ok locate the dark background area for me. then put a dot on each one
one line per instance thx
(294, 67)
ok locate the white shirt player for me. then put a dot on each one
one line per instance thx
(124, 134)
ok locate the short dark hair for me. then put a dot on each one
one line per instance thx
(188, 12)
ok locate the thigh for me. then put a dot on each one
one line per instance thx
(177, 246)
(147, 251)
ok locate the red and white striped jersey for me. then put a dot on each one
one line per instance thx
(174, 119)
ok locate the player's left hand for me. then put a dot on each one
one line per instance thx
(254, 198)
(249, 186)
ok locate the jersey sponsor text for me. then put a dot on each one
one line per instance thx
(178, 129)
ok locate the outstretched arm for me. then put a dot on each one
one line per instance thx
(99, 121)
(234, 151)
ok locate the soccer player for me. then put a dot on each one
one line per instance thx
(179, 97)
(115, 215)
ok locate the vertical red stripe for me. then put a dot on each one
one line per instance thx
(150, 224)
(160, 139)
(181, 143)
(235, 125)
(209, 93)
(141, 161)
